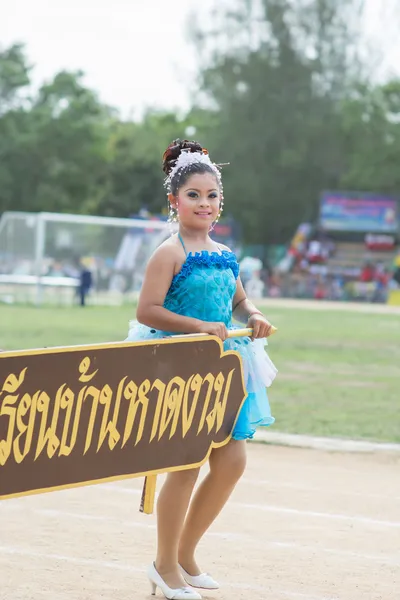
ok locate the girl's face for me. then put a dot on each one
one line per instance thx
(198, 201)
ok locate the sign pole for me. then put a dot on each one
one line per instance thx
(148, 494)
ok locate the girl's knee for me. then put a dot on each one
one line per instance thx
(237, 464)
(231, 461)
(187, 477)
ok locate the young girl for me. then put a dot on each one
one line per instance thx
(192, 285)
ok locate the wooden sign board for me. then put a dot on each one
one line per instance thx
(89, 414)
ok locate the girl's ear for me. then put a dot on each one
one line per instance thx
(173, 201)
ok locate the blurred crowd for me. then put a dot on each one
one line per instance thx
(312, 278)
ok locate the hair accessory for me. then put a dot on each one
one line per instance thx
(185, 159)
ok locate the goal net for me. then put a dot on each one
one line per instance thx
(43, 254)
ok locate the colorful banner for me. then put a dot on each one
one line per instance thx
(341, 211)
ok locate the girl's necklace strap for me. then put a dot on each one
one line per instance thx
(182, 242)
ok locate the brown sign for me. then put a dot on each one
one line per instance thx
(87, 414)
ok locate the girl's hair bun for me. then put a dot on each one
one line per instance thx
(174, 150)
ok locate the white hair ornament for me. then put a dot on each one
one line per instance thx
(187, 158)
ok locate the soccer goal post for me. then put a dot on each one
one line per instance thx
(42, 256)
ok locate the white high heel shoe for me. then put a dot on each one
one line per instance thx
(204, 580)
(183, 593)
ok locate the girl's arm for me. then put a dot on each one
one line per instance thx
(242, 308)
(245, 312)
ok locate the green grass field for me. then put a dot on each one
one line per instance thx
(339, 372)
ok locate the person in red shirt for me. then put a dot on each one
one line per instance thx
(367, 273)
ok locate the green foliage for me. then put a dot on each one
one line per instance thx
(135, 174)
(14, 75)
(53, 147)
(371, 130)
(278, 81)
(64, 151)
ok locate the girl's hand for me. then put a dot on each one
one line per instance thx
(218, 329)
(260, 326)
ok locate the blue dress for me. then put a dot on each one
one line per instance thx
(204, 289)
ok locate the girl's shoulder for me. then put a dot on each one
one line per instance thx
(168, 252)
(221, 247)
(170, 245)
(225, 248)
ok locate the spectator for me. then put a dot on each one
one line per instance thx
(254, 286)
(396, 276)
(367, 273)
(85, 283)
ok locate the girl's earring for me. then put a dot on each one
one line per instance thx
(221, 208)
(173, 217)
(175, 214)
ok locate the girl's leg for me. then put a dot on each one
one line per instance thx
(227, 465)
(172, 506)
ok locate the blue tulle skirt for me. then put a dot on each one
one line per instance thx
(259, 373)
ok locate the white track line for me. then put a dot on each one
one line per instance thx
(276, 485)
(312, 513)
(226, 536)
(106, 564)
(328, 305)
(279, 509)
(273, 484)
(323, 443)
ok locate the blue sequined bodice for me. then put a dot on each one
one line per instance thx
(205, 286)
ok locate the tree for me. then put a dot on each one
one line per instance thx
(14, 76)
(53, 147)
(73, 129)
(63, 150)
(371, 130)
(277, 73)
(136, 176)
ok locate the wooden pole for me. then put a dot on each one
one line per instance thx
(148, 494)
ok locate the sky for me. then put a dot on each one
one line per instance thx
(135, 53)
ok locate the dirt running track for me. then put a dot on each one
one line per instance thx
(302, 525)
